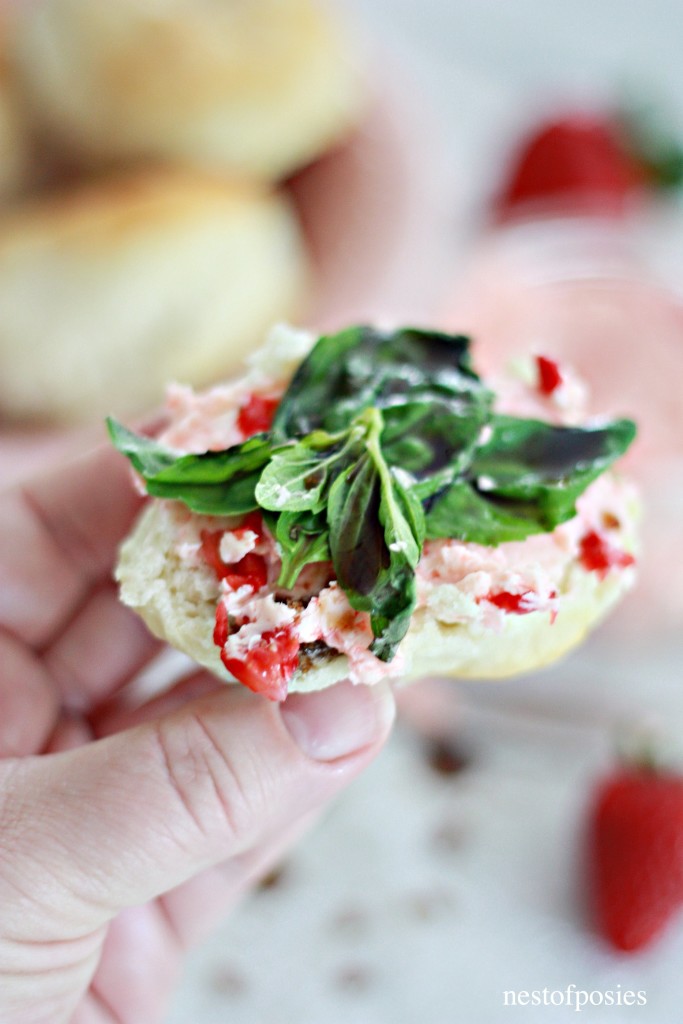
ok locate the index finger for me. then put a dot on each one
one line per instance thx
(59, 534)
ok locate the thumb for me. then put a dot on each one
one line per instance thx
(123, 819)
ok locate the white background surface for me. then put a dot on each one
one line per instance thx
(422, 898)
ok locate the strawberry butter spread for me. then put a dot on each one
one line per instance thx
(278, 608)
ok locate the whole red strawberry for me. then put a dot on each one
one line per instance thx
(636, 855)
(577, 162)
(590, 162)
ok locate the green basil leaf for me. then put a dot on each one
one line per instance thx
(148, 457)
(295, 479)
(234, 498)
(395, 596)
(303, 538)
(359, 550)
(211, 483)
(314, 385)
(376, 535)
(551, 466)
(463, 513)
(412, 512)
(428, 436)
(362, 368)
(390, 618)
(526, 479)
(299, 475)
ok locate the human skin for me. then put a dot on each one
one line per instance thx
(129, 831)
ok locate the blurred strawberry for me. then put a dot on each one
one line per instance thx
(636, 854)
(582, 162)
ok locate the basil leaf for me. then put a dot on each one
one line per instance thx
(428, 436)
(295, 480)
(463, 513)
(390, 618)
(396, 594)
(148, 457)
(433, 403)
(526, 479)
(303, 538)
(299, 475)
(211, 483)
(412, 512)
(376, 536)
(360, 368)
(234, 498)
(533, 461)
(357, 544)
(314, 385)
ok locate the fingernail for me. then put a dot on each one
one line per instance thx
(340, 720)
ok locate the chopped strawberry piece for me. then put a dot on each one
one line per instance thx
(221, 630)
(252, 523)
(210, 551)
(251, 571)
(268, 667)
(549, 376)
(515, 604)
(256, 415)
(597, 555)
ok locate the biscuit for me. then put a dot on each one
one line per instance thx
(112, 289)
(454, 629)
(178, 605)
(257, 88)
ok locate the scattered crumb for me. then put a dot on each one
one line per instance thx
(274, 879)
(430, 903)
(446, 755)
(227, 980)
(448, 837)
(354, 978)
(352, 922)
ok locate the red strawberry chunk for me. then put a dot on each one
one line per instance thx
(636, 856)
(597, 555)
(549, 376)
(221, 630)
(256, 415)
(252, 570)
(267, 667)
(210, 551)
(515, 604)
(252, 523)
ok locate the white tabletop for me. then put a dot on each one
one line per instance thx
(425, 897)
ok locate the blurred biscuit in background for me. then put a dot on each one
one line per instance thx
(15, 147)
(112, 289)
(253, 87)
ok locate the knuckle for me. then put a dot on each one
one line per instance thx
(205, 780)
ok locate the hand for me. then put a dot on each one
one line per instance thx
(127, 832)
